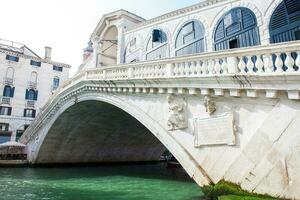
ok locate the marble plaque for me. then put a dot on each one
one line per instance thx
(215, 130)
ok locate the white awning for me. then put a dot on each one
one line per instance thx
(12, 144)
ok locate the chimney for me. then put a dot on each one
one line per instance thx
(48, 53)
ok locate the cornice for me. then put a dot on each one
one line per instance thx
(13, 53)
(176, 13)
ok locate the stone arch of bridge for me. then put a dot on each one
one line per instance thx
(45, 151)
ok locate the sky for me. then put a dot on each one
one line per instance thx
(66, 25)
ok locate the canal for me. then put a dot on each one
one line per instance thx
(119, 182)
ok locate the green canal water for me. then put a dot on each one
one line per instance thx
(131, 182)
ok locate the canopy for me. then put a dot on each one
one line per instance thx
(12, 144)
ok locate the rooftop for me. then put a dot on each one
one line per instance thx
(21, 50)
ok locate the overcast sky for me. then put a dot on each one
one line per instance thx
(65, 25)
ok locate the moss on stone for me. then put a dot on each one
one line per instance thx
(229, 191)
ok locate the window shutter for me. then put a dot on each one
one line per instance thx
(26, 94)
(24, 113)
(33, 113)
(279, 18)
(36, 95)
(9, 111)
(292, 6)
(4, 91)
(12, 92)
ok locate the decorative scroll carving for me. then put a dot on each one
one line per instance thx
(209, 105)
(177, 113)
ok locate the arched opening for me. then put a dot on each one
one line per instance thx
(33, 77)
(237, 28)
(157, 46)
(8, 91)
(190, 39)
(285, 22)
(109, 47)
(131, 54)
(10, 73)
(97, 132)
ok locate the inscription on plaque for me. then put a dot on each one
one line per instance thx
(215, 131)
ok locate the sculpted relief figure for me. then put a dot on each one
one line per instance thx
(209, 105)
(177, 113)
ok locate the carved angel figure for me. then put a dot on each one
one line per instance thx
(176, 119)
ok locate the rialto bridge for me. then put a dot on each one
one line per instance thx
(231, 115)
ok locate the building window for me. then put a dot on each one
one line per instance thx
(157, 45)
(5, 134)
(4, 127)
(237, 28)
(12, 58)
(5, 110)
(29, 113)
(8, 91)
(55, 83)
(35, 63)
(285, 22)
(31, 94)
(190, 39)
(57, 68)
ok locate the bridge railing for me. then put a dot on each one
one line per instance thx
(275, 58)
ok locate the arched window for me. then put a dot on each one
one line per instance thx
(237, 28)
(8, 91)
(33, 77)
(285, 22)
(131, 54)
(190, 39)
(10, 73)
(31, 94)
(157, 48)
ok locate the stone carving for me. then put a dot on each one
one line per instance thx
(177, 113)
(209, 105)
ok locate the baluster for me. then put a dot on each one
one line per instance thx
(250, 64)
(150, 71)
(278, 63)
(176, 69)
(289, 62)
(186, 68)
(217, 66)
(181, 69)
(242, 65)
(158, 69)
(205, 67)
(192, 68)
(297, 62)
(198, 67)
(224, 66)
(268, 63)
(211, 67)
(259, 64)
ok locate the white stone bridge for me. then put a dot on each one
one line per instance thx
(232, 115)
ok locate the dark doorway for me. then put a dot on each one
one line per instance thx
(297, 35)
(233, 44)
